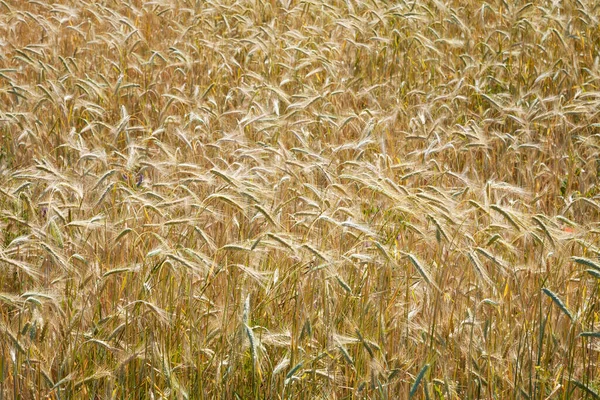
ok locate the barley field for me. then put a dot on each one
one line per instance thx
(299, 199)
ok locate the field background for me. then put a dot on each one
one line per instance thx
(299, 199)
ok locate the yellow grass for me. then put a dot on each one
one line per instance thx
(290, 199)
